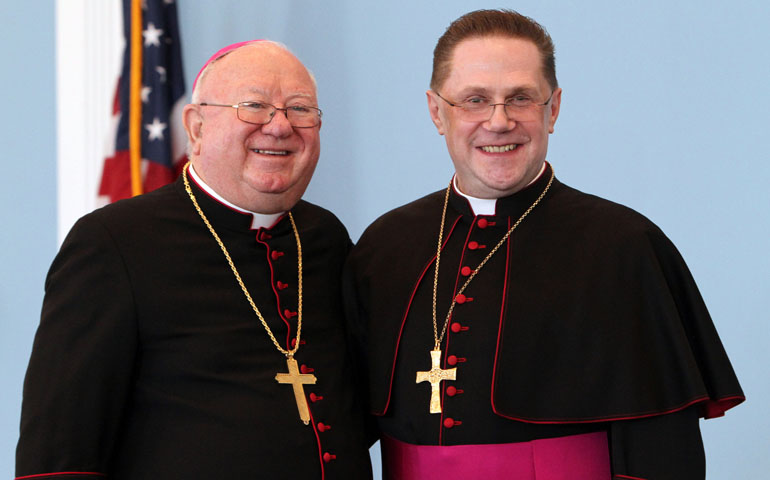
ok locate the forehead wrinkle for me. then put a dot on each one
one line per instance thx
(257, 91)
(264, 95)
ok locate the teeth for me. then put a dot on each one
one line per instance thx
(499, 149)
(271, 152)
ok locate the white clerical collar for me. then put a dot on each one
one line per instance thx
(486, 206)
(258, 220)
(480, 206)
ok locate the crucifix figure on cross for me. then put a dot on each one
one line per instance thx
(434, 376)
(296, 380)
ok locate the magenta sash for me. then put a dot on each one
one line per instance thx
(575, 457)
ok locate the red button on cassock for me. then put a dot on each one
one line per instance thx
(451, 422)
(473, 245)
(322, 427)
(275, 254)
(452, 391)
(328, 457)
(289, 314)
(453, 360)
(456, 327)
(281, 285)
(315, 398)
(466, 271)
(482, 223)
(461, 298)
(304, 369)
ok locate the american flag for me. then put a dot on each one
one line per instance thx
(158, 90)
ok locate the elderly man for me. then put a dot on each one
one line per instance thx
(195, 331)
(529, 330)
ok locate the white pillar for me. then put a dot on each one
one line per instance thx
(89, 46)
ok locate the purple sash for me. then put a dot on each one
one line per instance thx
(576, 457)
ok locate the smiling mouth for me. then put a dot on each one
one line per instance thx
(270, 152)
(499, 148)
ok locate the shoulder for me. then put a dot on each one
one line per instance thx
(126, 220)
(319, 222)
(593, 214)
(607, 231)
(141, 207)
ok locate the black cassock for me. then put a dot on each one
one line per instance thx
(586, 319)
(149, 362)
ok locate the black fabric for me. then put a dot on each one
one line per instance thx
(585, 317)
(150, 363)
(661, 447)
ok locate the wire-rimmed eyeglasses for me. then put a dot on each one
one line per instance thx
(260, 113)
(480, 109)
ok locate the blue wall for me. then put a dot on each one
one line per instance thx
(27, 196)
(664, 109)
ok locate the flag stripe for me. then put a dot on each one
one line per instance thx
(148, 103)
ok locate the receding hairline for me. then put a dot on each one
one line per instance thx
(255, 44)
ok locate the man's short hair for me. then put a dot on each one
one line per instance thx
(490, 23)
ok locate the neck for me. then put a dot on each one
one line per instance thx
(259, 220)
(480, 206)
(486, 206)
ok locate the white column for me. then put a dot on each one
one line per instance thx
(89, 46)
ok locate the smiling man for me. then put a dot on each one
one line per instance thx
(514, 327)
(196, 332)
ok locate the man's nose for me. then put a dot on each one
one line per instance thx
(279, 125)
(499, 120)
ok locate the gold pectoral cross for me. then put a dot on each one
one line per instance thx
(296, 380)
(434, 376)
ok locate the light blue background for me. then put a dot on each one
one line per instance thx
(665, 109)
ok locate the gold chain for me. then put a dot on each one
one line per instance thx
(288, 353)
(436, 337)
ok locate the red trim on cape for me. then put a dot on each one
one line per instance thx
(717, 408)
(711, 406)
(406, 313)
(43, 475)
(502, 321)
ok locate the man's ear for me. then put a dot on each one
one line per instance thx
(433, 109)
(193, 125)
(554, 109)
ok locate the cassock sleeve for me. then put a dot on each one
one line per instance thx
(663, 447)
(355, 325)
(79, 375)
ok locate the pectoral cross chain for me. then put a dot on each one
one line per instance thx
(434, 376)
(296, 380)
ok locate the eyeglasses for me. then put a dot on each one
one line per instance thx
(480, 109)
(258, 113)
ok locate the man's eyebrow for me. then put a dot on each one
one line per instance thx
(479, 90)
(529, 90)
(472, 89)
(302, 95)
